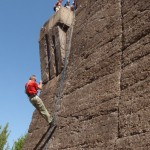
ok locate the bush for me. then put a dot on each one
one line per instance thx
(3, 137)
(18, 145)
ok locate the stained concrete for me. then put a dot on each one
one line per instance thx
(107, 88)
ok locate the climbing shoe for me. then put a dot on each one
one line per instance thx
(51, 123)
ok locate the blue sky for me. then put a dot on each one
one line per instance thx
(20, 23)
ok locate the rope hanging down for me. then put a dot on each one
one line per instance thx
(59, 92)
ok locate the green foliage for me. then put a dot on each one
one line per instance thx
(3, 137)
(19, 143)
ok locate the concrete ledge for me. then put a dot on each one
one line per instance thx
(63, 16)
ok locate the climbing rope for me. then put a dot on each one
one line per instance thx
(59, 92)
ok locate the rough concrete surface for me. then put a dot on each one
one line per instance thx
(106, 101)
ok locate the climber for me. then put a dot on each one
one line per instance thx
(74, 5)
(31, 89)
(67, 5)
(58, 5)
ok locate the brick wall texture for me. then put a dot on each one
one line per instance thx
(106, 102)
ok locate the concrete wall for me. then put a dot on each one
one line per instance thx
(107, 90)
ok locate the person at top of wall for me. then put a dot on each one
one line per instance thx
(58, 5)
(74, 5)
(67, 5)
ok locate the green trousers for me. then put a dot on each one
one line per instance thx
(39, 105)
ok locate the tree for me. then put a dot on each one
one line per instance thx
(3, 137)
(19, 143)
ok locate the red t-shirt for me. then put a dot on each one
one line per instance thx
(31, 87)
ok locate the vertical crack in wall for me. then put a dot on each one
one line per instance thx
(121, 63)
(121, 67)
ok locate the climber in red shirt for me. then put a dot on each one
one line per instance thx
(31, 89)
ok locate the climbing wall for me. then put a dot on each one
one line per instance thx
(107, 88)
(89, 111)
